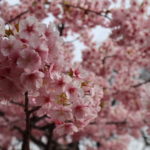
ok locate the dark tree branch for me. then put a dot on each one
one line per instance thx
(34, 109)
(49, 137)
(140, 84)
(37, 142)
(35, 119)
(61, 28)
(145, 138)
(116, 123)
(26, 138)
(16, 103)
(73, 146)
(18, 129)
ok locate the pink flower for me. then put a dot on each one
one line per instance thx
(118, 113)
(9, 46)
(66, 128)
(33, 80)
(40, 47)
(61, 113)
(83, 112)
(29, 26)
(29, 60)
(9, 89)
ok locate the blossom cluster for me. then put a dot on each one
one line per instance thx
(32, 60)
(26, 50)
(87, 12)
(25, 7)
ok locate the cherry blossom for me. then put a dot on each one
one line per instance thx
(48, 99)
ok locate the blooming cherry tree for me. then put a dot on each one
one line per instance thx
(48, 99)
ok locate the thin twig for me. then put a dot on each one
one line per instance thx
(100, 13)
(36, 108)
(35, 119)
(116, 123)
(17, 17)
(38, 142)
(16, 103)
(142, 83)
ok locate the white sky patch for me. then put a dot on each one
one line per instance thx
(49, 19)
(100, 34)
(13, 2)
